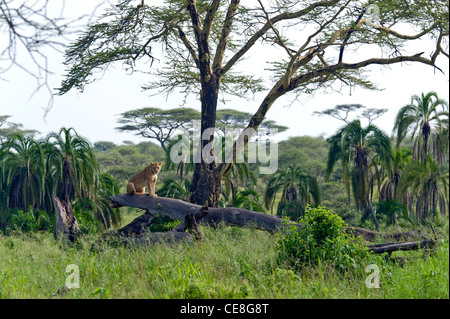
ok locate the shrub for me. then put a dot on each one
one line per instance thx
(87, 222)
(22, 221)
(322, 237)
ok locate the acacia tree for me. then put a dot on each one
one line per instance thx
(157, 124)
(204, 41)
(232, 119)
(10, 128)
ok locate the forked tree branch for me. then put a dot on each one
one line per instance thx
(226, 29)
(279, 89)
(281, 17)
(210, 16)
(188, 46)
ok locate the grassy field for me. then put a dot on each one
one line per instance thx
(230, 263)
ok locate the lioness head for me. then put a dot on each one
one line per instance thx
(154, 167)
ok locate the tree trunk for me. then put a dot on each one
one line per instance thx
(391, 247)
(66, 223)
(426, 129)
(206, 181)
(205, 186)
(177, 209)
(374, 217)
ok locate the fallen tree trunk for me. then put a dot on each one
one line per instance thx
(190, 214)
(138, 226)
(372, 235)
(136, 232)
(391, 247)
(177, 209)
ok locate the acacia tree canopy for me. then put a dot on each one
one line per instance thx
(204, 41)
(155, 123)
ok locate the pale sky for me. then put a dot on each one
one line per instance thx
(93, 113)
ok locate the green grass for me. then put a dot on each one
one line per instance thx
(230, 263)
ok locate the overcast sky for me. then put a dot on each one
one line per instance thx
(93, 113)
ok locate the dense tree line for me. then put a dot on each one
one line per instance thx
(358, 172)
(63, 164)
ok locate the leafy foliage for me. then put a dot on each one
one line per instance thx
(298, 189)
(157, 124)
(321, 239)
(421, 118)
(429, 184)
(62, 164)
(22, 221)
(391, 210)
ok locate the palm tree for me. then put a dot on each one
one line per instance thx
(23, 172)
(4, 153)
(420, 118)
(389, 190)
(75, 175)
(298, 189)
(441, 140)
(185, 161)
(100, 208)
(401, 157)
(358, 149)
(173, 189)
(246, 198)
(429, 184)
(76, 170)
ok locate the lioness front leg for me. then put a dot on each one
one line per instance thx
(151, 189)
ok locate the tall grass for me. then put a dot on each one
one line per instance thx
(230, 263)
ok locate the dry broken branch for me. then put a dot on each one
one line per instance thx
(404, 246)
(137, 232)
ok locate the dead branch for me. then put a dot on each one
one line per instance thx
(404, 246)
(177, 209)
(372, 235)
(137, 232)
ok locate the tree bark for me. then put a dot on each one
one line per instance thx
(205, 186)
(138, 225)
(372, 236)
(136, 232)
(177, 209)
(206, 181)
(391, 247)
(66, 223)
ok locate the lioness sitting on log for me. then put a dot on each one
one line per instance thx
(146, 177)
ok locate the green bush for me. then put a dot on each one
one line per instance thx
(87, 222)
(322, 238)
(22, 221)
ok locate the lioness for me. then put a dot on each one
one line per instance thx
(146, 177)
